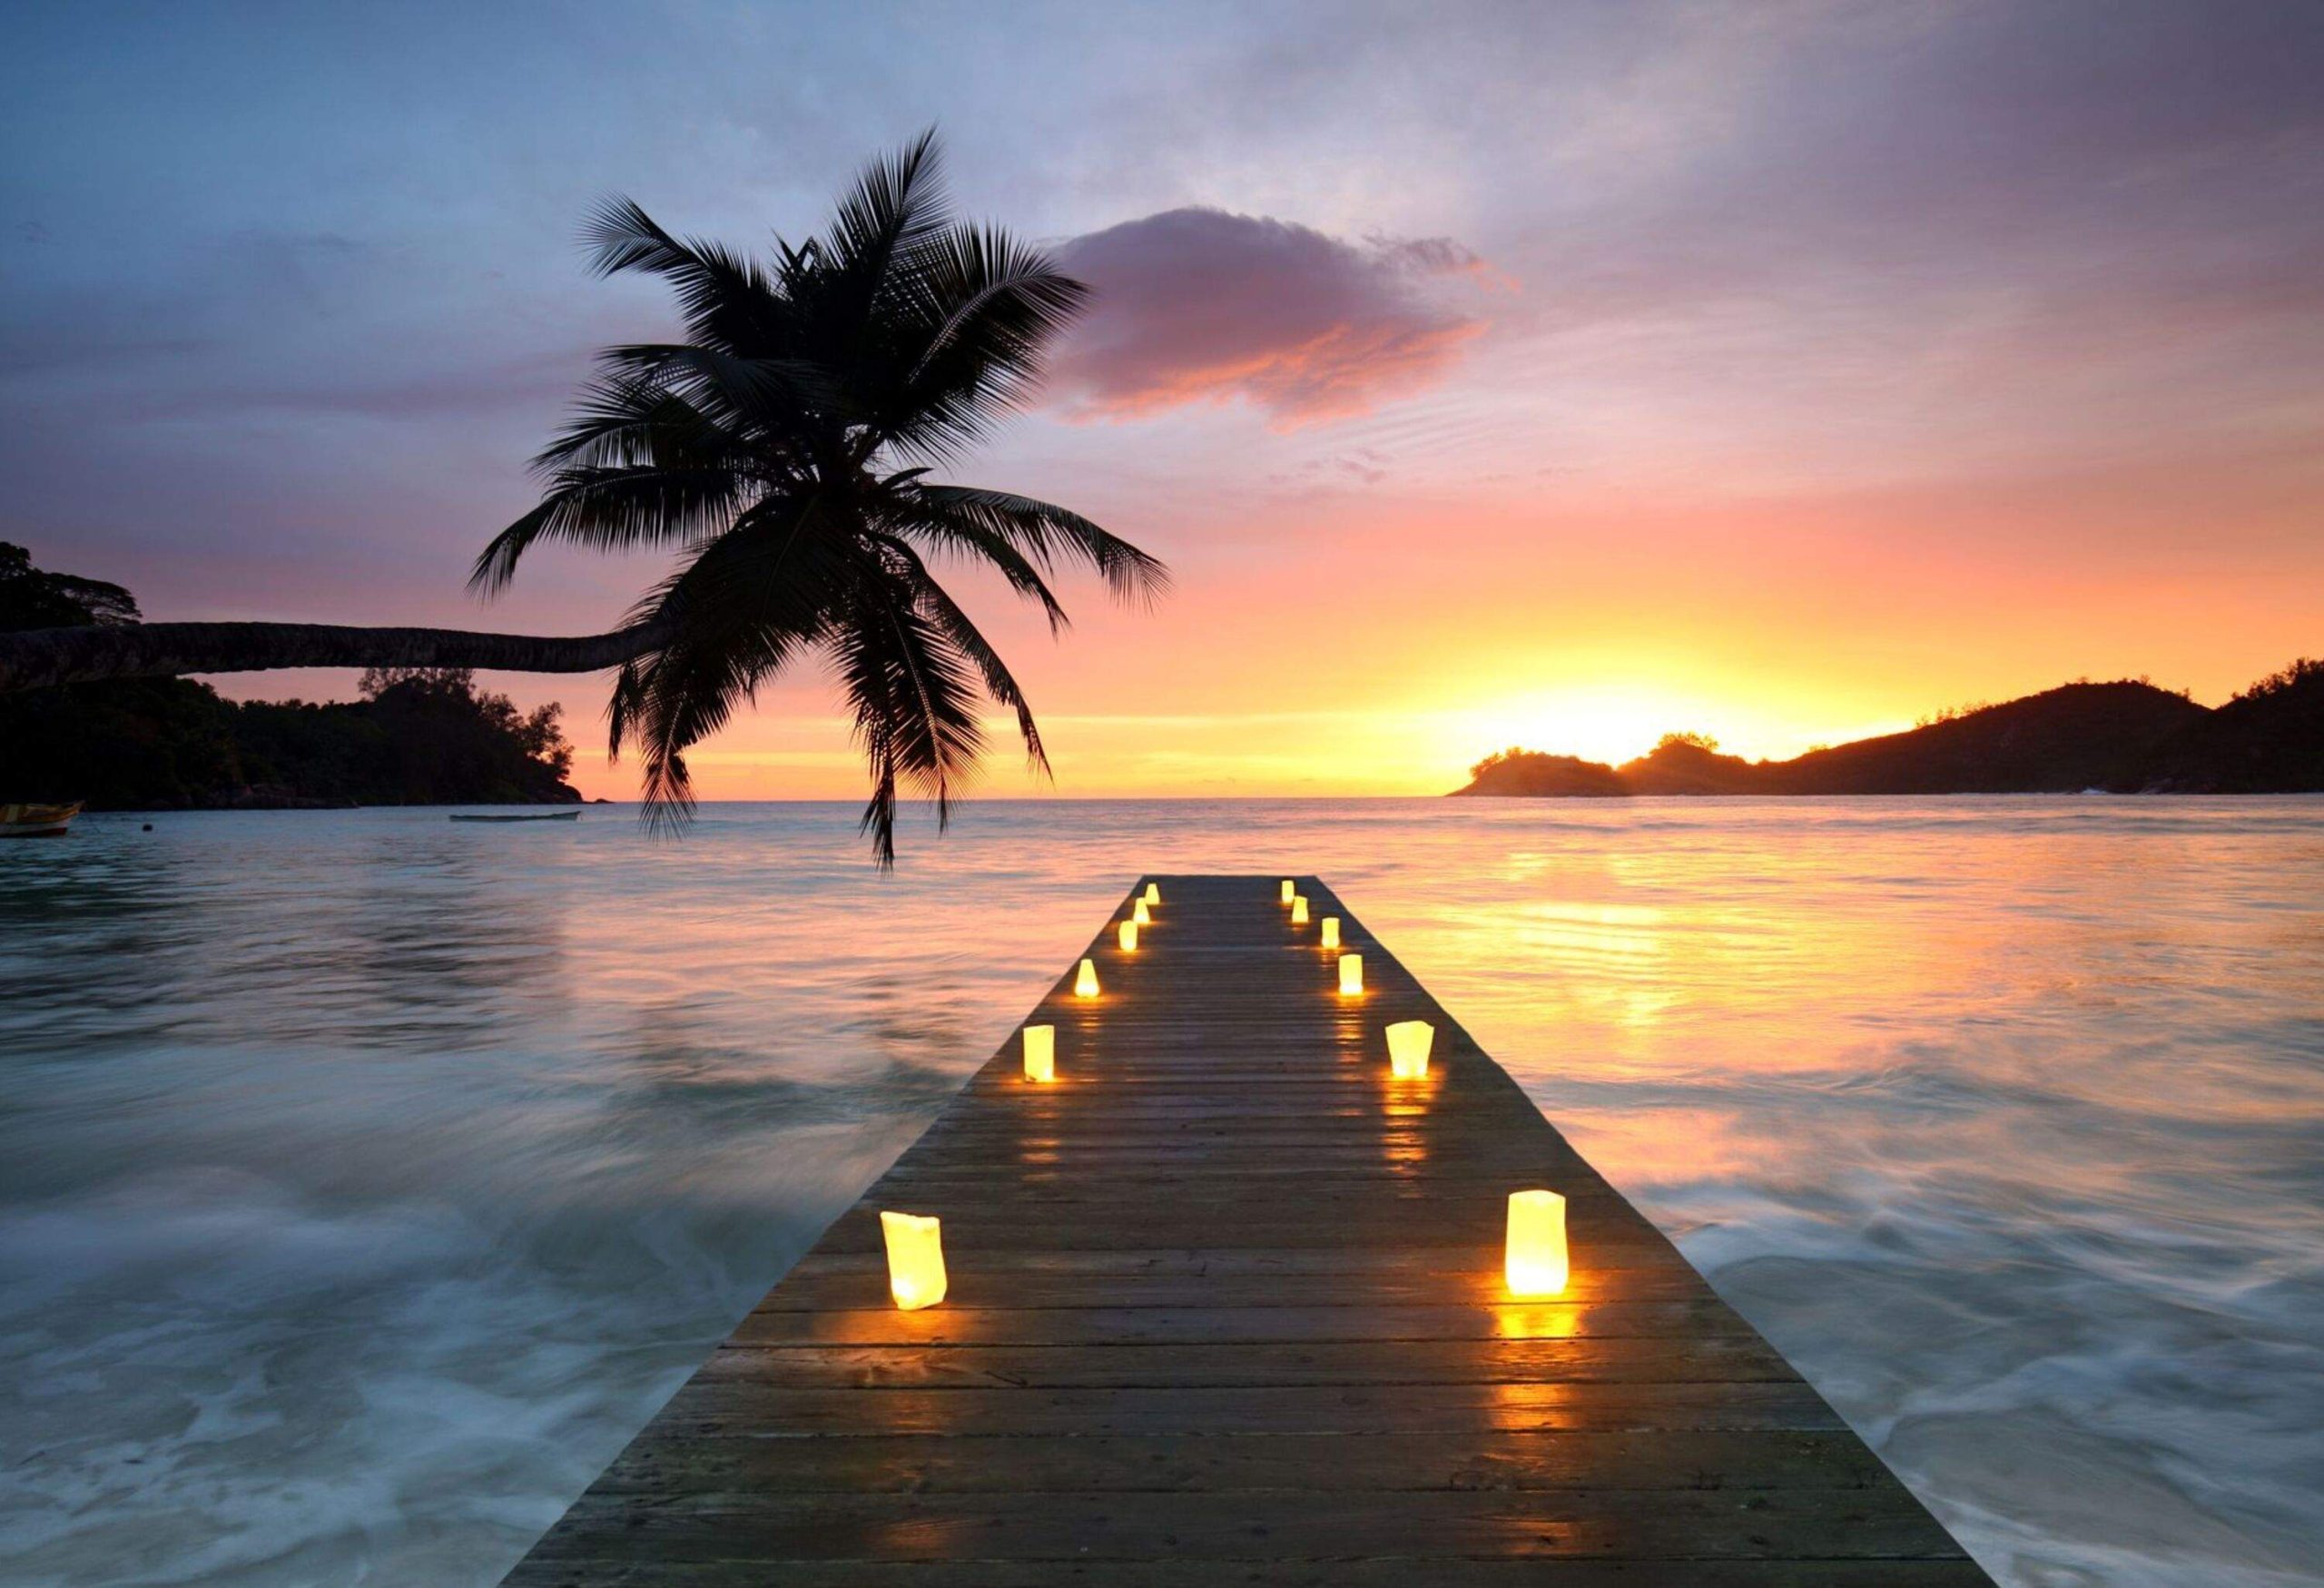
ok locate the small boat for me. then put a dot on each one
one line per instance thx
(529, 816)
(37, 821)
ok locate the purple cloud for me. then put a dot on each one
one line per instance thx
(1199, 305)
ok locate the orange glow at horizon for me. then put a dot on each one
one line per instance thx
(1590, 625)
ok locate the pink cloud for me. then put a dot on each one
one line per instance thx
(1199, 305)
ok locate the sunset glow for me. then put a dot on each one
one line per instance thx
(1450, 382)
(606, 609)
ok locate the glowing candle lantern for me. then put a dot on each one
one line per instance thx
(1154, 892)
(1350, 972)
(915, 1259)
(1408, 1041)
(1128, 936)
(1299, 910)
(1141, 915)
(1537, 1261)
(1085, 985)
(1289, 893)
(1040, 1054)
(1331, 931)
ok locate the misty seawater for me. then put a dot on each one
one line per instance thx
(366, 1180)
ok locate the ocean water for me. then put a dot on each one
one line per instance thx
(366, 1180)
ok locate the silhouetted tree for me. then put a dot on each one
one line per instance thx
(784, 449)
(32, 598)
(420, 736)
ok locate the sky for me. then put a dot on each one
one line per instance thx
(1554, 374)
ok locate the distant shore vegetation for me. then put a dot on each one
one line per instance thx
(2127, 736)
(418, 736)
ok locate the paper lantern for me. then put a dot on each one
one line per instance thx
(1040, 1054)
(1289, 893)
(1331, 931)
(915, 1259)
(1299, 910)
(1085, 985)
(1154, 892)
(1141, 915)
(1126, 935)
(1350, 972)
(1537, 1261)
(1408, 1041)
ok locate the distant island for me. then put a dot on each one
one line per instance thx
(2123, 737)
(419, 736)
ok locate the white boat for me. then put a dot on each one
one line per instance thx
(37, 821)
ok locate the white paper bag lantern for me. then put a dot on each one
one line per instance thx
(1536, 1264)
(915, 1259)
(1408, 1041)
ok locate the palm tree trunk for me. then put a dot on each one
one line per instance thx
(31, 658)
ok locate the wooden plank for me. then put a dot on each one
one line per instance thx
(1881, 1522)
(1514, 1572)
(1225, 1307)
(710, 1408)
(687, 1471)
(1148, 1326)
(817, 1289)
(1686, 1359)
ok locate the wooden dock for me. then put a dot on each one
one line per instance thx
(1226, 1306)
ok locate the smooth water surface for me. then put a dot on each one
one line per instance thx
(366, 1180)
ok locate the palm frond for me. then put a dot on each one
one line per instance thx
(725, 298)
(965, 536)
(990, 308)
(614, 509)
(937, 604)
(738, 613)
(624, 420)
(780, 399)
(1048, 534)
(781, 447)
(913, 699)
(897, 203)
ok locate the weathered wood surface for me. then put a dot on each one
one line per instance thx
(1225, 1307)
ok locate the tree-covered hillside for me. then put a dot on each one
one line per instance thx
(417, 737)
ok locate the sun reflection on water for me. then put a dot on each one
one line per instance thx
(1981, 1108)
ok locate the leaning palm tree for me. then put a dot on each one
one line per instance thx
(784, 451)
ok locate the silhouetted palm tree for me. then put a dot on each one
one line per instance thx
(784, 449)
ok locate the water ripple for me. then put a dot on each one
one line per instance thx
(365, 1180)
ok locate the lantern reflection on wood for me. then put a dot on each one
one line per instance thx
(1085, 985)
(1408, 1044)
(1331, 931)
(1141, 915)
(1536, 1262)
(1126, 935)
(1350, 972)
(915, 1259)
(1040, 1054)
(1299, 910)
(1289, 893)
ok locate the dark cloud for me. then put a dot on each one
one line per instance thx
(1199, 305)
